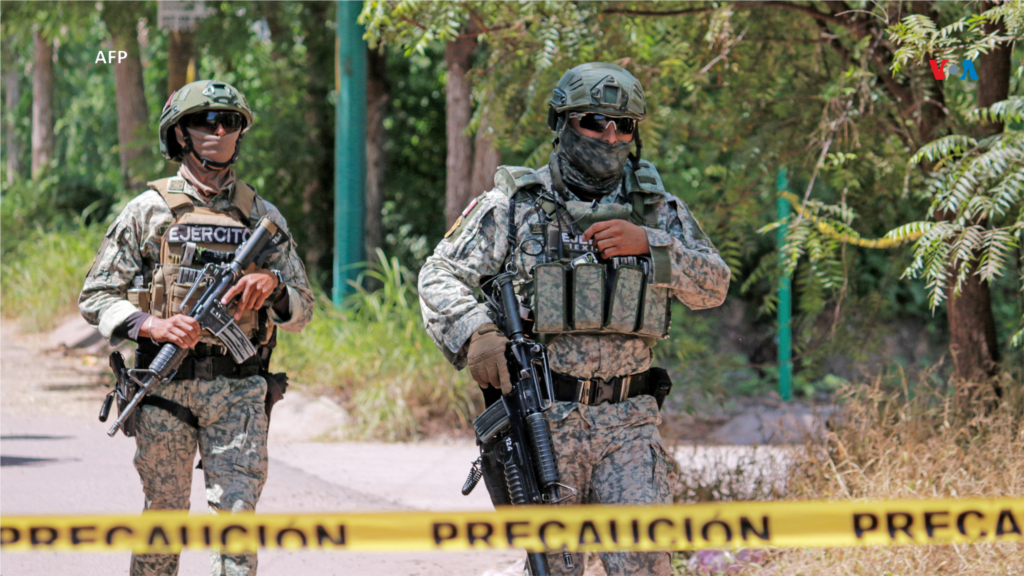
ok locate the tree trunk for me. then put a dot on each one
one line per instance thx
(933, 101)
(378, 92)
(972, 332)
(180, 54)
(132, 114)
(458, 56)
(42, 103)
(486, 159)
(12, 94)
(972, 325)
(318, 191)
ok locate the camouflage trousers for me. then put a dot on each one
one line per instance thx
(612, 454)
(232, 441)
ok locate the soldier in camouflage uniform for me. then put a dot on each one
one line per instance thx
(599, 248)
(146, 263)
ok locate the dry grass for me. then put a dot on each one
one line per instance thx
(912, 442)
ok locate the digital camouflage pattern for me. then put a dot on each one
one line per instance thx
(699, 278)
(590, 164)
(232, 442)
(655, 321)
(131, 247)
(232, 437)
(588, 297)
(612, 454)
(549, 310)
(625, 299)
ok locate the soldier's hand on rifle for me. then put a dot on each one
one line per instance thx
(254, 288)
(180, 330)
(618, 238)
(486, 358)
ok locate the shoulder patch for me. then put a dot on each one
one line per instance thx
(176, 184)
(457, 227)
(511, 179)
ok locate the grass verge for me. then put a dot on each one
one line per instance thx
(42, 275)
(393, 380)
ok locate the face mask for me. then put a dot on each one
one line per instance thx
(213, 147)
(209, 181)
(591, 164)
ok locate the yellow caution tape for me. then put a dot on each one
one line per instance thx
(597, 528)
(849, 237)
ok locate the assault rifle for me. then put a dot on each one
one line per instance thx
(518, 422)
(211, 315)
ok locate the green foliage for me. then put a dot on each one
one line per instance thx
(415, 149)
(43, 274)
(977, 209)
(376, 353)
(920, 38)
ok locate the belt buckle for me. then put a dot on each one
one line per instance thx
(204, 368)
(624, 387)
(583, 396)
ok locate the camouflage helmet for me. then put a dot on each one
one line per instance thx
(597, 87)
(195, 97)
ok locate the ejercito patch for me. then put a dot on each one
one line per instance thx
(207, 234)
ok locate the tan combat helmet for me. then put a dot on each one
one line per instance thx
(199, 96)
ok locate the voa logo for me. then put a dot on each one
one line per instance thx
(941, 71)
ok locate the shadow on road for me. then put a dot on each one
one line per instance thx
(6, 461)
(35, 437)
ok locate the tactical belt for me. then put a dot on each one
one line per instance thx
(599, 390)
(208, 367)
(199, 368)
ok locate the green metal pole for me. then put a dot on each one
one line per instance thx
(349, 149)
(785, 296)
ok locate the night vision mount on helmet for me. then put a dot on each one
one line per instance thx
(200, 96)
(599, 88)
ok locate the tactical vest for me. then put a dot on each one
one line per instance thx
(198, 236)
(572, 290)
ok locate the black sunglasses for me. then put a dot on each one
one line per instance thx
(599, 123)
(231, 121)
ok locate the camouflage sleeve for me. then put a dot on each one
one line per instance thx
(103, 301)
(475, 247)
(699, 278)
(300, 297)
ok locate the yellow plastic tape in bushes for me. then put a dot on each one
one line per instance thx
(597, 528)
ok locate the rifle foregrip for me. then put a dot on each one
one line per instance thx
(540, 434)
(510, 305)
(167, 360)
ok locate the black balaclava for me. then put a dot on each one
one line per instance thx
(590, 165)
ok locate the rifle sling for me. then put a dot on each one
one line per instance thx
(177, 410)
